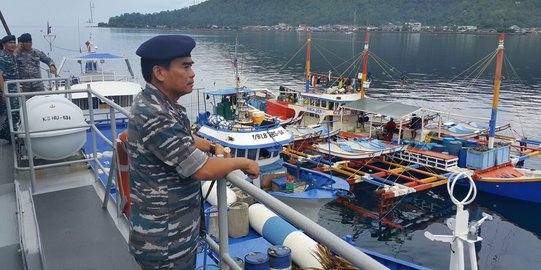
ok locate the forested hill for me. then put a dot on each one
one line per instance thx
(234, 13)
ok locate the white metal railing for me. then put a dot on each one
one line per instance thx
(318, 233)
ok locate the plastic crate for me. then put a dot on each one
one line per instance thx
(502, 155)
(480, 160)
(486, 159)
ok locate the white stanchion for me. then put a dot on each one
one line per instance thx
(464, 234)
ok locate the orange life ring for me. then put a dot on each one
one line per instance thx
(122, 171)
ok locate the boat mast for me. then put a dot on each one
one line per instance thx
(308, 45)
(91, 20)
(50, 37)
(365, 65)
(496, 96)
(241, 116)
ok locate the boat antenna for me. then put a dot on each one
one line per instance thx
(79, 36)
(241, 116)
(4, 23)
(365, 64)
(49, 37)
(5, 27)
(496, 96)
(91, 20)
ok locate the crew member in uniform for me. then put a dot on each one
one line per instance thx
(8, 71)
(167, 161)
(28, 60)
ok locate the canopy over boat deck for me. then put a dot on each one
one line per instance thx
(392, 109)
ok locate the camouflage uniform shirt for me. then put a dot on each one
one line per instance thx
(28, 62)
(166, 200)
(8, 65)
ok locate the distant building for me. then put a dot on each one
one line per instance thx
(302, 27)
(467, 28)
(412, 26)
(390, 27)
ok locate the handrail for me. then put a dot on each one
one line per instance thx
(28, 142)
(320, 234)
(314, 230)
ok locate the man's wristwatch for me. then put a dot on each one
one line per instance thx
(212, 149)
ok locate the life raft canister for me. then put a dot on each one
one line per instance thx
(122, 171)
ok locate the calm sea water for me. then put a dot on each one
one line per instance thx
(431, 62)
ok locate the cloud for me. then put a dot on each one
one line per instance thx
(71, 12)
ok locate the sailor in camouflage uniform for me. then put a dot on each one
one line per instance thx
(28, 60)
(8, 72)
(167, 161)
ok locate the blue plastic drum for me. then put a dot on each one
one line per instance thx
(256, 261)
(280, 257)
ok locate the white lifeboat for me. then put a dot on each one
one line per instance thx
(55, 112)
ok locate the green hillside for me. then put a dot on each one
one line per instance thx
(235, 13)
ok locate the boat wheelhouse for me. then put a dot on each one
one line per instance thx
(120, 86)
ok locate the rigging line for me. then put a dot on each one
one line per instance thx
(375, 56)
(478, 67)
(384, 70)
(507, 65)
(331, 52)
(472, 66)
(327, 60)
(355, 58)
(352, 67)
(291, 59)
(481, 72)
(483, 68)
(514, 70)
(333, 40)
(69, 50)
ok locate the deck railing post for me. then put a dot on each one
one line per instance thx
(225, 259)
(92, 132)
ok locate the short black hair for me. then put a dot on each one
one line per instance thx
(148, 64)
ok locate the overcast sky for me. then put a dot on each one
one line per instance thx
(69, 12)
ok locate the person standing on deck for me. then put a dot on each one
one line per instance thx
(8, 71)
(415, 125)
(28, 60)
(389, 129)
(167, 161)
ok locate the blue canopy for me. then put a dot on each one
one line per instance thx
(227, 91)
(99, 56)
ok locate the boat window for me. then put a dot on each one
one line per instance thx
(312, 102)
(234, 152)
(318, 102)
(252, 154)
(324, 103)
(241, 153)
(331, 105)
(264, 154)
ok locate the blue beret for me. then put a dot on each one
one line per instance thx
(8, 38)
(165, 47)
(25, 38)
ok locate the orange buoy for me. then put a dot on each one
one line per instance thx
(122, 171)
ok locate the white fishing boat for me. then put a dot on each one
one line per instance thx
(352, 149)
(261, 138)
(310, 132)
(120, 86)
(251, 134)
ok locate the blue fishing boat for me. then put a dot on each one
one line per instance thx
(259, 137)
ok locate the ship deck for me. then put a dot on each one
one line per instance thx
(75, 231)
